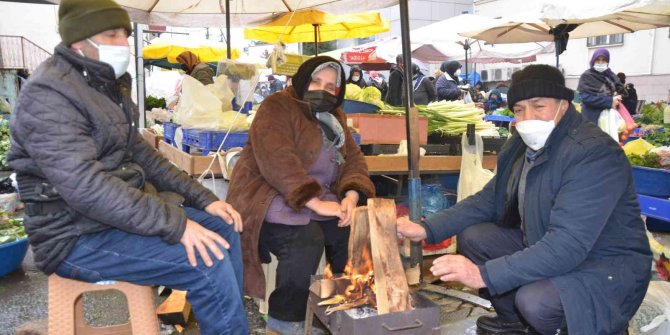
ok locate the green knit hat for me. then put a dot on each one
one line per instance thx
(81, 19)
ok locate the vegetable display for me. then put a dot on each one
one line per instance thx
(11, 229)
(4, 143)
(449, 117)
(370, 95)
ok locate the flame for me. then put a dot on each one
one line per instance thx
(362, 281)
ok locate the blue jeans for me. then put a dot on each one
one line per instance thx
(214, 292)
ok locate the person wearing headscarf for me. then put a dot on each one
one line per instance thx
(356, 77)
(298, 180)
(628, 94)
(394, 94)
(447, 85)
(377, 81)
(424, 91)
(193, 67)
(598, 86)
(495, 100)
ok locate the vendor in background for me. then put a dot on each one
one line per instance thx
(193, 67)
(356, 77)
(598, 86)
(394, 94)
(628, 94)
(476, 92)
(424, 91)
(495, 101)
(378, 81)
(276, 85)
(555, 239)
(448, 85)
(296, 184)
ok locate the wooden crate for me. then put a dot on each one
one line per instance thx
(192, 165)
(427, 164)
(385, 129)
(151, 137)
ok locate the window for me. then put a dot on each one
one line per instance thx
(597, 41)
(497, 74)
(485, 75)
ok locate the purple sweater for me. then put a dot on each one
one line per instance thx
(325, 170)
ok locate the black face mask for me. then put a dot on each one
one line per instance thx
(320, 101)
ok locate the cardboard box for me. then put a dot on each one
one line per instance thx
(385, 129)
(192, 165)
(151, 137)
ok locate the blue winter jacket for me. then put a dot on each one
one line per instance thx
(447, 89)
(582, 224)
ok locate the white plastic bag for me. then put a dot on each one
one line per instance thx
(199, 108)
(467, 98)
(473, 176)
(610, 121)
(653, 316)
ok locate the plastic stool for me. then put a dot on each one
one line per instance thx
(66, 308)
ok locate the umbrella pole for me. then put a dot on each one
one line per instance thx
(316, 39)
(412, 123)
(228, 51)
(466, 61)
(139, 69)
(557, 46)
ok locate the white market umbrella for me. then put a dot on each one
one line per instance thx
(608, 17)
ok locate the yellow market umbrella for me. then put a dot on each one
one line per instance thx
(313, 25)
(169, 49)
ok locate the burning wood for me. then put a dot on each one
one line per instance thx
(359, 275)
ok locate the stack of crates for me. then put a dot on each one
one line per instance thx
(207, 140)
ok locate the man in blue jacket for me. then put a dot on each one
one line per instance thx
(555, 240)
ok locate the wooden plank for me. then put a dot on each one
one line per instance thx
(175, 309)
(427, 164)
(360, 257)
(390, 281)
(191, 164)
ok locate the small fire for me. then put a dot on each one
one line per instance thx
(361, 289)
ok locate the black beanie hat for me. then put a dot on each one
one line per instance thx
(303, 77)
(538, 81)
(81, 19)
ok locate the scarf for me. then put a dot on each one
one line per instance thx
(603, 84)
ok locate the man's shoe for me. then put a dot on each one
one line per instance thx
(274, 326)
(490, 325)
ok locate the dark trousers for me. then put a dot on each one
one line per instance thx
(537, 303)
(215, 292)
(298, 250)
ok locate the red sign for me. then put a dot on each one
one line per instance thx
(359, 56)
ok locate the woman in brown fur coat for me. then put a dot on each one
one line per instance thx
(296, 185)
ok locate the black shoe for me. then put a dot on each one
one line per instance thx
(490, 325)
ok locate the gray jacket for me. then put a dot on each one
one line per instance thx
(75, 128)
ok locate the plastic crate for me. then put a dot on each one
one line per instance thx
(353, 106)
(11, 255)
(169, 130)
(291, 66)
(207, 140)
(652, 182)
(657, 208)
(500, 118)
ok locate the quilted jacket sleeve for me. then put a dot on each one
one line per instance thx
(166, 177)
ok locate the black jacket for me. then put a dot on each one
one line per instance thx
(394, 94)
(424, 91)
(75, 128)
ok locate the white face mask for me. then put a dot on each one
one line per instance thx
(457, 73)
(600, 67)
(116, 56)
(536, 132)
(355, 78)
